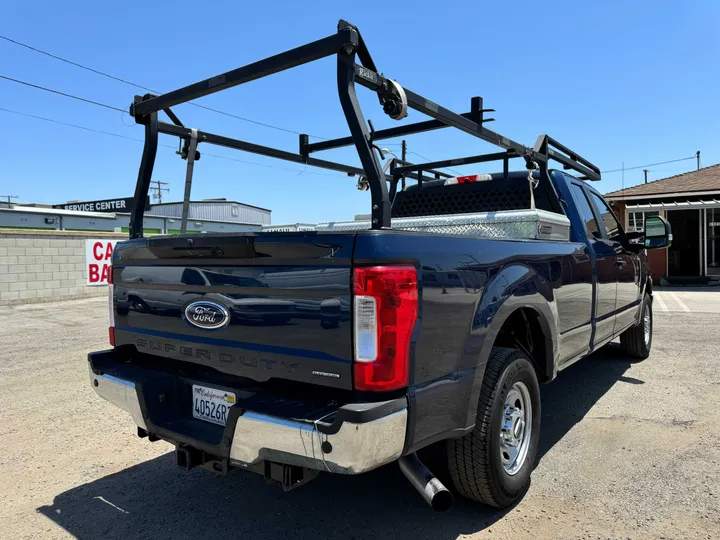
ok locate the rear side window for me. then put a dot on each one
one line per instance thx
(586, 213)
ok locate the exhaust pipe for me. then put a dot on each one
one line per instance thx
(431, 489)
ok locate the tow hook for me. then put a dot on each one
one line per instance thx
(289, 476)
(188, 457)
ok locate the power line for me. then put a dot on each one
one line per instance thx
(85, 100)
(75, 63)
(62, 93)
(603, 172)
(253, 121)
(106, 132)
(418, 155)
(140, 86)
(428, 159)
(72, 125)
(648, 165)
(297, 171)
(125, 81)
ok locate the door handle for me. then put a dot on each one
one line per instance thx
(620, 262)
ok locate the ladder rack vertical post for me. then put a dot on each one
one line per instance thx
(144, 175)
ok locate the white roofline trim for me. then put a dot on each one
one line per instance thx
(661, 195)
(674, 205)
(175, 218)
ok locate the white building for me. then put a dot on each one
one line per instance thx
(214, 210)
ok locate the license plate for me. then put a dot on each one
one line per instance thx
(211, 404)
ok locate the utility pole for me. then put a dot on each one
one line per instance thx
(697, 155)
(9, 197)
(157, 187)
(645, 171)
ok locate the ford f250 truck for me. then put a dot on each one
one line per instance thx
(360, 343)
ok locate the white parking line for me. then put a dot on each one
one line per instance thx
(661, 302)
(680, 302)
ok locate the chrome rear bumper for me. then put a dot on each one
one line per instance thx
(120, 393)
(354, 448)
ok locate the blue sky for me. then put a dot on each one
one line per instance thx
(633, 82)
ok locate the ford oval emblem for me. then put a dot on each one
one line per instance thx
(207, 315)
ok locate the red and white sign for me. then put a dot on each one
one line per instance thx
(98, 259)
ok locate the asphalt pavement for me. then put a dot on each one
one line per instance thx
(627, 451)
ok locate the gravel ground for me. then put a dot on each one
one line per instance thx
(627, 451)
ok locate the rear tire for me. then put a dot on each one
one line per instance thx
(637, 340)
(492, 464)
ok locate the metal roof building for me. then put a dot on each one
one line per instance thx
(17, 216)
(214, 210)
(217, 215)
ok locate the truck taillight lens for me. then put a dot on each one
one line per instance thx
(111, 305)
(386, 309)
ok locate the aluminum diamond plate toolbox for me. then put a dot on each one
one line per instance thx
(514, 224)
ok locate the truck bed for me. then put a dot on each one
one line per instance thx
(289, 301)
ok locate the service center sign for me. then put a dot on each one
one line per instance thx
(106, 205)
(98, 258)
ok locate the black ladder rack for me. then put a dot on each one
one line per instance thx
(347, 45)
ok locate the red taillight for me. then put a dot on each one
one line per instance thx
(111, 335)
(386, 308)
(110, 276)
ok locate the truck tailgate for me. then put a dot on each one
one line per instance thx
(269, 306)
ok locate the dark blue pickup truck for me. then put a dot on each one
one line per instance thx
(360, 343)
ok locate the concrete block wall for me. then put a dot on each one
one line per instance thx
(43, 266)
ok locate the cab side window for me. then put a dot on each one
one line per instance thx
(586, 213)
(611, 224)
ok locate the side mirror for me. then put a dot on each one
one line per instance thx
(658, 233)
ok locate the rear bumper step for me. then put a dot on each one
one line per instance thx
(362, 437)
